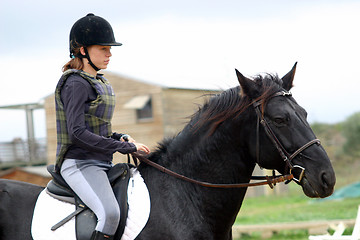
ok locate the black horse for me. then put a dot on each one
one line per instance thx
(221, 144)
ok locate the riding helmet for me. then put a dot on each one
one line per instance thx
(91, 30)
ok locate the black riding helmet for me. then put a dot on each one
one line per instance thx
(91, 30)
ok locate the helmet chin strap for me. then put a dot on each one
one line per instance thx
(90, 62)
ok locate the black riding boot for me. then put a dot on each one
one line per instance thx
(101, 236)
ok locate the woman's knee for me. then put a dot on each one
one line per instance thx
(112, 214)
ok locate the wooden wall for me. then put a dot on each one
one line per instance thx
(178, 107)
(171, 107)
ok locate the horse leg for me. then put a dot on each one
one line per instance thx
(17, 202)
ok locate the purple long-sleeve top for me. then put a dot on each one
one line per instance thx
(76, 95)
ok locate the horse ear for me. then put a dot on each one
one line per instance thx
(248, 86)
(289, 78)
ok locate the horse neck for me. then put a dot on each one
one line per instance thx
(224, 154)
(211, 159)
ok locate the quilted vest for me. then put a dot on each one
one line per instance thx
(97, 119)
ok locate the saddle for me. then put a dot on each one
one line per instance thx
(85, 219)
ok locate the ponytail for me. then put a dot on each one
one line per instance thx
(75, 62)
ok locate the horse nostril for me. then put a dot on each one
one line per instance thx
(327, 180)
(324, 180)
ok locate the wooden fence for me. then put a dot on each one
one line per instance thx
(21, 153)
(267, 230)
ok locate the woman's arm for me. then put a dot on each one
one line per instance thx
(74, 95)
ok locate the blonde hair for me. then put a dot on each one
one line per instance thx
(75, 62)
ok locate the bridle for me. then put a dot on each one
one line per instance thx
(268, 180)
(287, 157)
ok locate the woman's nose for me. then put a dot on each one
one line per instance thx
(109, 53)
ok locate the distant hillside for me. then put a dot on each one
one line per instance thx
(342, 143)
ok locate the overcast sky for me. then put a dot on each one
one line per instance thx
(188, 43)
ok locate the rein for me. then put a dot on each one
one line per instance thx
(269, 180)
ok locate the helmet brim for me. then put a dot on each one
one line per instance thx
(109, 44)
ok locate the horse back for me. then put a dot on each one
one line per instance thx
(17, 202)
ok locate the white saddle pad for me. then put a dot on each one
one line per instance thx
(49, 211)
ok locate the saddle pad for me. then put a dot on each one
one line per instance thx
(49, 211)
(139, 206)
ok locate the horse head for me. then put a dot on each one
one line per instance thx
(282, 139)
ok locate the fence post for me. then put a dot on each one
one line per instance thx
(30, 133)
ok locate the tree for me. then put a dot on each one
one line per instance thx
(351, 131)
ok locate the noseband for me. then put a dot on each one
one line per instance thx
(287, 157)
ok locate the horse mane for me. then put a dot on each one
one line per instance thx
(233, 102)
(220, 107)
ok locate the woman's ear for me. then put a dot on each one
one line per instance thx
(82, 51)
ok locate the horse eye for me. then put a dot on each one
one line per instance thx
(279, 121)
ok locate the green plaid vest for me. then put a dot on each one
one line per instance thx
(97, 119)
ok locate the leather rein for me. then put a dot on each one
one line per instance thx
(267, 180)
(270, 180)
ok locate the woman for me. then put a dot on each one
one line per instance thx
(84, 107)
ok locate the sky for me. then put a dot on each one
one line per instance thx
(188, 44)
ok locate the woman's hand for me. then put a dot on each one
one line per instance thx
(127, 138)
(131, 140)
(141, 148)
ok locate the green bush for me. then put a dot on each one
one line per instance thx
(351, 131)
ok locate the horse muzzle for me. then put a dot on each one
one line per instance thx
(319, 186)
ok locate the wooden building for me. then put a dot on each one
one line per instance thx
(148, 112)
